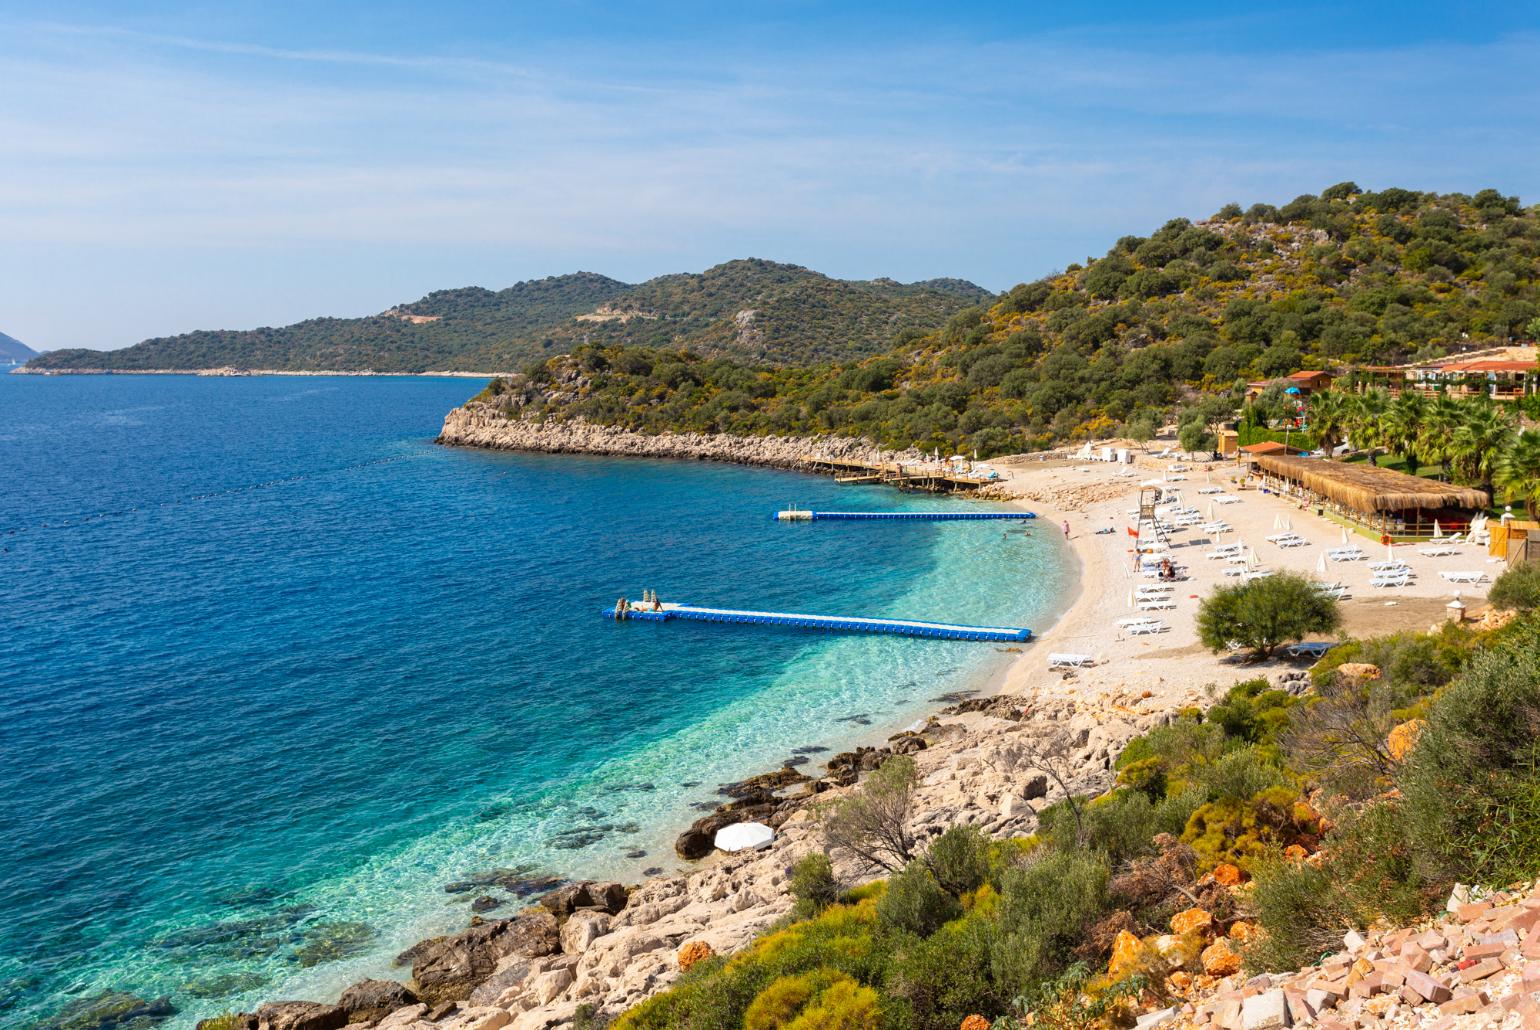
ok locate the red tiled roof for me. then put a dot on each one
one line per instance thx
(1270, 447)
(1307, 376)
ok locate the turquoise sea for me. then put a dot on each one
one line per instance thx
(277, 670)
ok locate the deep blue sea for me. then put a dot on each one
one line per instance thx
(277, 669)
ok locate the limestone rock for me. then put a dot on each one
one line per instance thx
(582, 928)
(1219, 959)
(693, 953)
(449, 968)
(1359, 671)
(1126, 949)
(1403, 738)
(301, 1015)
(370, 1000)
(1192, 920)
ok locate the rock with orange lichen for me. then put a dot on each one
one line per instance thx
(1295, 853)
(1192, 920)
(1403, 738)
(1227, 875)
(1358, 671)
(974, 1022)
(1126, 953)
(1244, 932)
(1219, 959)
(693, 953)
(1179, 982)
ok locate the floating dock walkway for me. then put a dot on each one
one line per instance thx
(903, 516)
(832, 623)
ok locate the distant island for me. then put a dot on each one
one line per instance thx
(751, 310)
(14, 352)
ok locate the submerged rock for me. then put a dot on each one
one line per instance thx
(520, 881)
(222, 985)
(485, 903)
(328, 942)
(110, 1010)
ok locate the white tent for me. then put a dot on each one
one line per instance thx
(743, 837)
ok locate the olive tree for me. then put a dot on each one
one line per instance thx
(1265, 614)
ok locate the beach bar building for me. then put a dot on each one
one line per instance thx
(1382, 501)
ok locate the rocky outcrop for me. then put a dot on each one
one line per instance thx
(449, 968)
(369, 1000)
(301, 1015)
(483, 425)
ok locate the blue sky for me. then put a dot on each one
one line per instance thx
(178, 166)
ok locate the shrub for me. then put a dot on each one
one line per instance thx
(944, 978)
(1044, 907)
(813, 885)
(1254, 711)
(1368, 877)
(1265, 614)
(1472, 780)
(845, 1005)
(959, 860)
(1241, 831)
(872, 823)
(1161, 761)
(1341, 733)
(915, 903)
(781, 1002)
(1240, 775)
(1518, 589)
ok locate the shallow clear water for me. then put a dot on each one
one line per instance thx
(277, 669)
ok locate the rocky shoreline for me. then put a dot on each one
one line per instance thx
(604, 947)
(483, 425)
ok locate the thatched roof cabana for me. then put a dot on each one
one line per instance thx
(1369, 488)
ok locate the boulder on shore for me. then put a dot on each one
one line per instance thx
(369, 1000)
(609, 898)
(301, 1015)
(449, 968)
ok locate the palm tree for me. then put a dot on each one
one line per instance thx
(1435, 434)
(1366, 425)
(1402, 427)
(1329, 413)
(1479, 440)
(1517, 470)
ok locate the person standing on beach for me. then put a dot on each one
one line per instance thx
(1066, 527)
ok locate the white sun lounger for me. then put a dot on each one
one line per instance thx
(1464, 577)
(1134, 620)
(1294, 541)
(1226, 499)
(1066, 660)
(1390, 566)
(1313, 649)
(1400, 579)
(1346, 554)
(1247, 577)
(1437, 551)
(1150, 604)
(1211, 489)
(1139, 629)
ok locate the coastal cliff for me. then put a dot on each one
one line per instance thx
(479, 424)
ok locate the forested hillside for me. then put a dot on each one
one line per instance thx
(1347, 276)
(754, 310)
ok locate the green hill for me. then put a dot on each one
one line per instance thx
(755, 310)
(1347, 276)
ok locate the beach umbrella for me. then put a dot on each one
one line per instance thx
(743, 837)
(1438, 531)
(1288, 523)
(1390, 551)
(1320, 563)
(1344, 536)
(1130, 598)
(1211, 511)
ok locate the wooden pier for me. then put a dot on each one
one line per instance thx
(665, 612)
(930, 477)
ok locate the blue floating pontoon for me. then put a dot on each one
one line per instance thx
(903, 516)
(830, 623)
